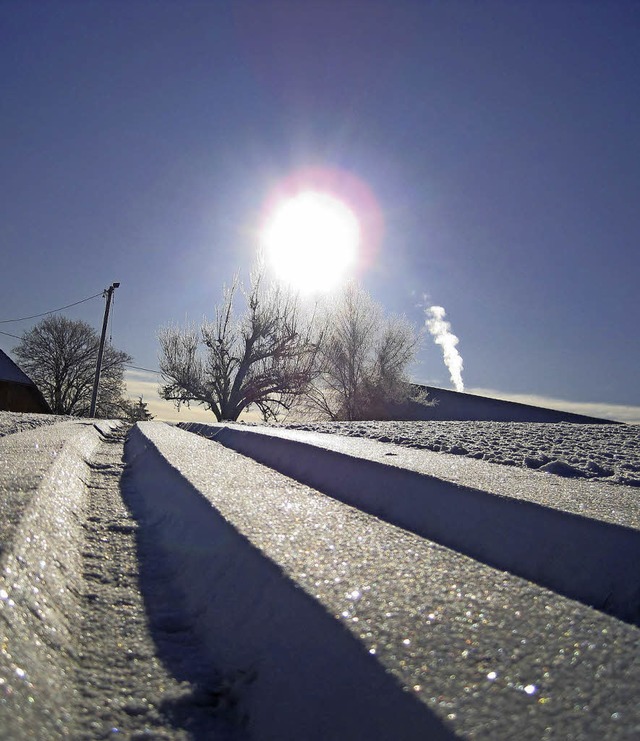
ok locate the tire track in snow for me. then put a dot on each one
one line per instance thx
(124, 688)
(544, 529)
(276, 571)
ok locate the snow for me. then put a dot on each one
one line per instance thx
(606, 451)
(288, 659)
(41, 575)
(222, 598)
(11, 422)
(573, 537)
(269, 559)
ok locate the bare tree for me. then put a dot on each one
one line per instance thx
(265, 357)
(362, 360)
(60, 356)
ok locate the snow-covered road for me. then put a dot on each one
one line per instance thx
(196, 593)
(83, 651)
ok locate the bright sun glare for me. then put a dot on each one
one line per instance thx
(311, 241)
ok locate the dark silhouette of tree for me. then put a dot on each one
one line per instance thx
(264, 357)
(60, 356)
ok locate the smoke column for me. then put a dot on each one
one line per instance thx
(442, 336)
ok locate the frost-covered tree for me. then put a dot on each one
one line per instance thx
(362, 360)
(136, 411)
(264, 356)
(60, 355)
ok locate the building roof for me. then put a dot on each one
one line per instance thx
(9, 371)
(18, 393)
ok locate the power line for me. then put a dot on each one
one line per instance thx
(11, 335)
(53, 311)
(137, 367)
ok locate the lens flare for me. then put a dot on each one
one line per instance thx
(320, 226)
(311, 241)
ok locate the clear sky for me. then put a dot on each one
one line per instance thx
(499, 140)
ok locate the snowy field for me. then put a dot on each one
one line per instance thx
(11, 422)
(161, 585)
(606, 452)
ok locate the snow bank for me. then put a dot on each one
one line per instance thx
(297, 674)
(41, 574)
(12, 422)
(506, 523)
(275, 574)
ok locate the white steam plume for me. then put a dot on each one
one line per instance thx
(442, 336)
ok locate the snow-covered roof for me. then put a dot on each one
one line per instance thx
(9, 371)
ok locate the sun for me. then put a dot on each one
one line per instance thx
(311, 241)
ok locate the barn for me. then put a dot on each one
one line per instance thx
(18, 393)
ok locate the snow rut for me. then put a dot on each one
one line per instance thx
(312, 599)
(194, 593)
(575, 538)
(296, 673)
(83, 654)
(124, 687)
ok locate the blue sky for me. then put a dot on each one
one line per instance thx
(500, 141)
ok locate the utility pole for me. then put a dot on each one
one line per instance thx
(96, 381)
